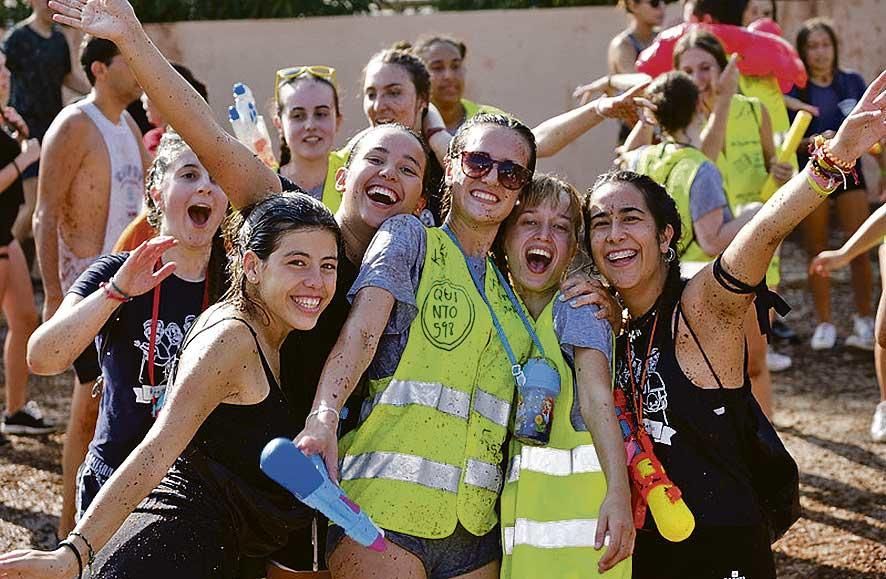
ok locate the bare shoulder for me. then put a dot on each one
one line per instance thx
(221, 340)
(73, 127)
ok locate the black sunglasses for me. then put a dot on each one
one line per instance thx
(511, 175)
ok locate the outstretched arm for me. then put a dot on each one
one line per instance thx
(867, 236)
(242, 176)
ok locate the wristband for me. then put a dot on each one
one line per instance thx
(17, 170)
(433, 131)
(117, 289)
(89, 550)
(323, 408)
(112, 294)
(819, 183)
(73, 549)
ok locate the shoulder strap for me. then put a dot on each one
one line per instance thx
(707, 361)
(264, 361)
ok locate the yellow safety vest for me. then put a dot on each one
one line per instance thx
(332, 196)
(674, 167)
(766, 89)
(552, 498)
(473, 109)
(429, 453)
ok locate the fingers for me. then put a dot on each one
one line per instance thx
(67, 11)
(636, 90)
(164, 272)
(602, 527)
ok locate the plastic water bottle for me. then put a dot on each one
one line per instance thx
(535, 402)
(249, 126)
(306, 478)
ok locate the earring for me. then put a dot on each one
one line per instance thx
(670, 256)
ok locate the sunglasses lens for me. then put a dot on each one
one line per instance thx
(476, 165)
(511, 175)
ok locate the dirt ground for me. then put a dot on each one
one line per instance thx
(824, 407)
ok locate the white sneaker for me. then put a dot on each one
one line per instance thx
(777, 362)
(825, 336)
(878, 424)
(862, 334)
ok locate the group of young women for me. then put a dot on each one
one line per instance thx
(425, 334)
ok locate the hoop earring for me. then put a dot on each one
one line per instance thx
(670, 256)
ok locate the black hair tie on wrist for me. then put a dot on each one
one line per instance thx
(90, 552)
(764, 298)
(69, 545)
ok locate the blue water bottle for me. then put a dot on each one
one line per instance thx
(537, 389)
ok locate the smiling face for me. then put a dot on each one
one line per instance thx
(485, 200)
(389, 96)
(703, 68)
(192, 205)
(625, 243)
(445, 64)
(820, 52)
(540, 243)
(308, 117)
(297, 280)
(385, 176)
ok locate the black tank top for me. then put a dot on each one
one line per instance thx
(225, 453)
(697, 432)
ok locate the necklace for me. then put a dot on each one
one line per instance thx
(637, 390)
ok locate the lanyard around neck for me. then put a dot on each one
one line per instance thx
(516, 368)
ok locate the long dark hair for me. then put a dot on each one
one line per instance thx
(808, 28)
(664, 212)
(259, 228)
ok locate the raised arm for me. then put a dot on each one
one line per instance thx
(748, 256)
(869, 235)
(557, 132)
(56, 344)
(211, 370)
(242, 176)
(713, 136)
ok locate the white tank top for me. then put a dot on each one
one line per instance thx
(127, 172)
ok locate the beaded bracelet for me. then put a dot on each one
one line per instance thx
(76, 552)
(824, 162)
(823, 145)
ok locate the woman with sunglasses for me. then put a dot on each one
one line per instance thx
(683, 354)
(444, 56)
(307, 116)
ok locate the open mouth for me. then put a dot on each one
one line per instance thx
(312, 140)
(538, 260)
(484, 196)
(382, 195)
(621, 257)
(199, 214)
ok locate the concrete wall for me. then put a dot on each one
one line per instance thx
(524, 61)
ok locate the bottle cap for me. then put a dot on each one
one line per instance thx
(239, 89)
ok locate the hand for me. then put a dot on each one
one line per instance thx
(624, 107)
(865, 125)
(781, 172)
(615, 520)
(826, 262)
(30, 564)
(727, 84)
(432, 120)
(17, 122)
(586, 92)
(30, 154)
(110, 19)
(137, 276)
(319, 437)
(579, 289)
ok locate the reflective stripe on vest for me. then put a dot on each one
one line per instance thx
(553, 535)
(555, 462)
(446, 400)
(418, 470)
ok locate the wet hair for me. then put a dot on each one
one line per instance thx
(544, 188)
(96, 49)
(722, 11)
(358, 140)
(703, 40)
(664, 212)
(285, 152)
(171, 145)
(808, 28)
(186, 74)
(414, 67)
(424, 43)
(675, 97)
(260, 227)
(457, 144)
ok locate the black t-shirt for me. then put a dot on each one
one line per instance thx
(38, 66)
(125, 414)
(12, 197)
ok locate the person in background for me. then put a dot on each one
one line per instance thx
(152, 137)
(758, 9)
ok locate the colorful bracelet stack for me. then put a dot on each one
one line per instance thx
(825, 172)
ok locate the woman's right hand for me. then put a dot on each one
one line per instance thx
(137, 276)
(110, 19)
(31, 564)
(826, 262)
(319, 437)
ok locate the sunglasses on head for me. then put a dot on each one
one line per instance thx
(511, 175)
(285, 75)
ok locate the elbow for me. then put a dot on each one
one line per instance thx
(43, 358)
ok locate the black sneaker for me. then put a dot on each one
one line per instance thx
(28, 420)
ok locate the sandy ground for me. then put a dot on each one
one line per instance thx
(824, 407)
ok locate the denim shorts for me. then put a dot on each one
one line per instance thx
(91, 477)
(458, 554)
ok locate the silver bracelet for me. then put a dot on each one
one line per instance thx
(323, 408)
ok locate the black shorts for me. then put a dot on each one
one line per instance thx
(31, 171)
(458, 554)
(709, 553)
(86, 365)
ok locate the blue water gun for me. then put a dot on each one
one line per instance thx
(307, 479)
